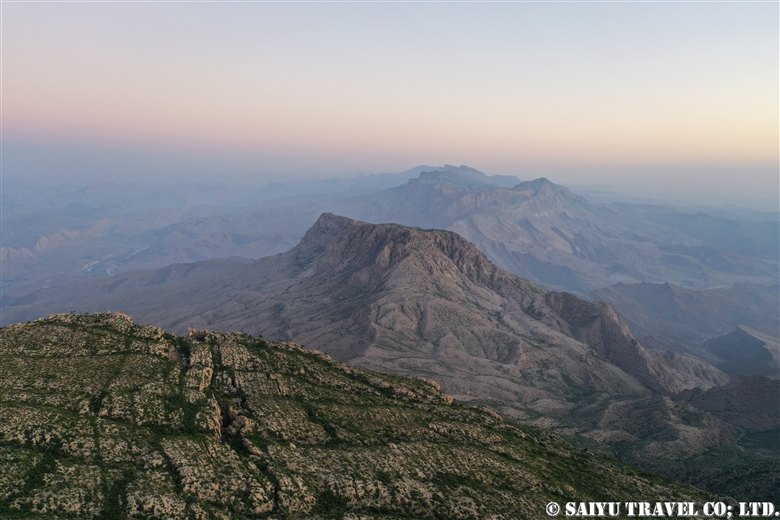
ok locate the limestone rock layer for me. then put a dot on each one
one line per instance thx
(100, 418)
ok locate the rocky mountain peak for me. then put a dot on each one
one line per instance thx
(541, 182)
(543, 188)
(347, 245)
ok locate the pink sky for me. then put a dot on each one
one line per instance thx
(323, 90)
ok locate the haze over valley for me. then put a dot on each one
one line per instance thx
(537, 229)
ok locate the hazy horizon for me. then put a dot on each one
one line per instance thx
(662, 100)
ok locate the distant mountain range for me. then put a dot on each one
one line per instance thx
(429, 303)
(545, 233)
(536, 229)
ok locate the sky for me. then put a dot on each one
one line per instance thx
(676, 97)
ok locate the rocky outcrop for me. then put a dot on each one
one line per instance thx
(300, 435)
(597, 325)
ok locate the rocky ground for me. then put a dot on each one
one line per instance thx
(100, 418)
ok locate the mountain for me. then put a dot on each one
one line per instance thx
(665, 316)
(59, 235)
(544, 232)
(63, 235)
(466, 177)
(752, 402)
(391, 296)
(427, 303)
(745, 352)
(105, 419)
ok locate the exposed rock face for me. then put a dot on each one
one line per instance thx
(419, 303)
(101, 418)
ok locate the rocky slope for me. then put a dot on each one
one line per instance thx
(427, 304)
(105, 419)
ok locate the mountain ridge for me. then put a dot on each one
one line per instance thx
(361, 262)
(536, 229)
(421, 303)
(104, 418)
(544, 232)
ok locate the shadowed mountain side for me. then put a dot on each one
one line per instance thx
(750, 402)
(664, 316)
(605, 332)
(745, 352)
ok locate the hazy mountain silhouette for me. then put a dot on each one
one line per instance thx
(664, 316)
(539, 230)
(544, 232)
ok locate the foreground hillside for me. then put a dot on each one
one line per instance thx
(100, 418)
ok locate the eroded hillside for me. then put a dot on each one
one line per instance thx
(102, 418)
